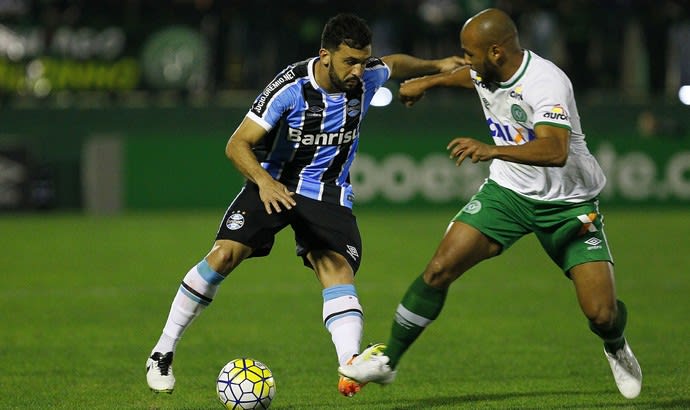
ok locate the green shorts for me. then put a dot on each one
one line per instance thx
(570, 233)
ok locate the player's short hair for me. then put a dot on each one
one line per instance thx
(345, 28)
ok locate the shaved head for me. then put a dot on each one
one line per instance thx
(490, 42)
(491, 26)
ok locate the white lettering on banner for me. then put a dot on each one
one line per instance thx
(442, 181)
(85, 42)
(678, 175)
(399, 178)
(72, 42)
(636, 176)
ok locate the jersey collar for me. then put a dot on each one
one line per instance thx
(520, 71)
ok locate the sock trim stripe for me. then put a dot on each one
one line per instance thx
(194, 295)
(348, 312)
(407, 318)
(208, 274)
(337, 291)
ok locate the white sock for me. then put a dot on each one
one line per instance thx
(197, 290)
(343, 317)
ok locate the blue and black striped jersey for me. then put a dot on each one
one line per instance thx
(312, 136)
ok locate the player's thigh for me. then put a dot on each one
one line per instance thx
(572, 234)
(246, 222)
(321, 226)
(462, 247)
(493, 220)
(498, 213)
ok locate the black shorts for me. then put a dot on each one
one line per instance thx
(317, 225)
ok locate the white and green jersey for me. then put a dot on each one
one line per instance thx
(538, 93)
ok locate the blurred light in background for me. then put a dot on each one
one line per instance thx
(684, 94)
(383, 97)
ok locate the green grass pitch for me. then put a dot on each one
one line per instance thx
(83, 299)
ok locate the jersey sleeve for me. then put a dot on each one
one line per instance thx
(277, 98)
(377, 72)
(550, 99)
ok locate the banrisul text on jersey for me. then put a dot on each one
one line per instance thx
(313, 135)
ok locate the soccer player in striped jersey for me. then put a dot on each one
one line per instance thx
(295, 147)
(542, 180)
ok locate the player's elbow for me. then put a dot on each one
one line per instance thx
(553, 145)
(558, 153)
(228, 150)
(231, 149)
(558, 160)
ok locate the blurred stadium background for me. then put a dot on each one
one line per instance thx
(114, 115)
(122, 105)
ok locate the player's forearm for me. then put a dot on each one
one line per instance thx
(542, 152)
(406, 66)
(460, 77)
(242, 157)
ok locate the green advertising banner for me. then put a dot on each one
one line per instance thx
(638, 173)
(390, 170)
(174, 156)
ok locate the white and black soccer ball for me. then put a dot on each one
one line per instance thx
(245, 384)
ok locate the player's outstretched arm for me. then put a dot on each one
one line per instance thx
(406, 66)
(412, 90)
(549, 149)
(273, 194)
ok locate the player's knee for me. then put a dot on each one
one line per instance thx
(438, 274)
(224, 257)
(603, 316)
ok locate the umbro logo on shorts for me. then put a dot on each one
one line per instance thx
(352, 251)
(594, 243)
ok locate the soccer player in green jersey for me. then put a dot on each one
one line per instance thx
(542, 180)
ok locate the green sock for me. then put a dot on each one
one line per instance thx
(613, 337)
(418, 308)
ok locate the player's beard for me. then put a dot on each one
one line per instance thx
(490, 73)
(342, 85)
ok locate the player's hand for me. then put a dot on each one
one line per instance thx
(462, 148)
(275, 196)
(411, 91)
(450, 63)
